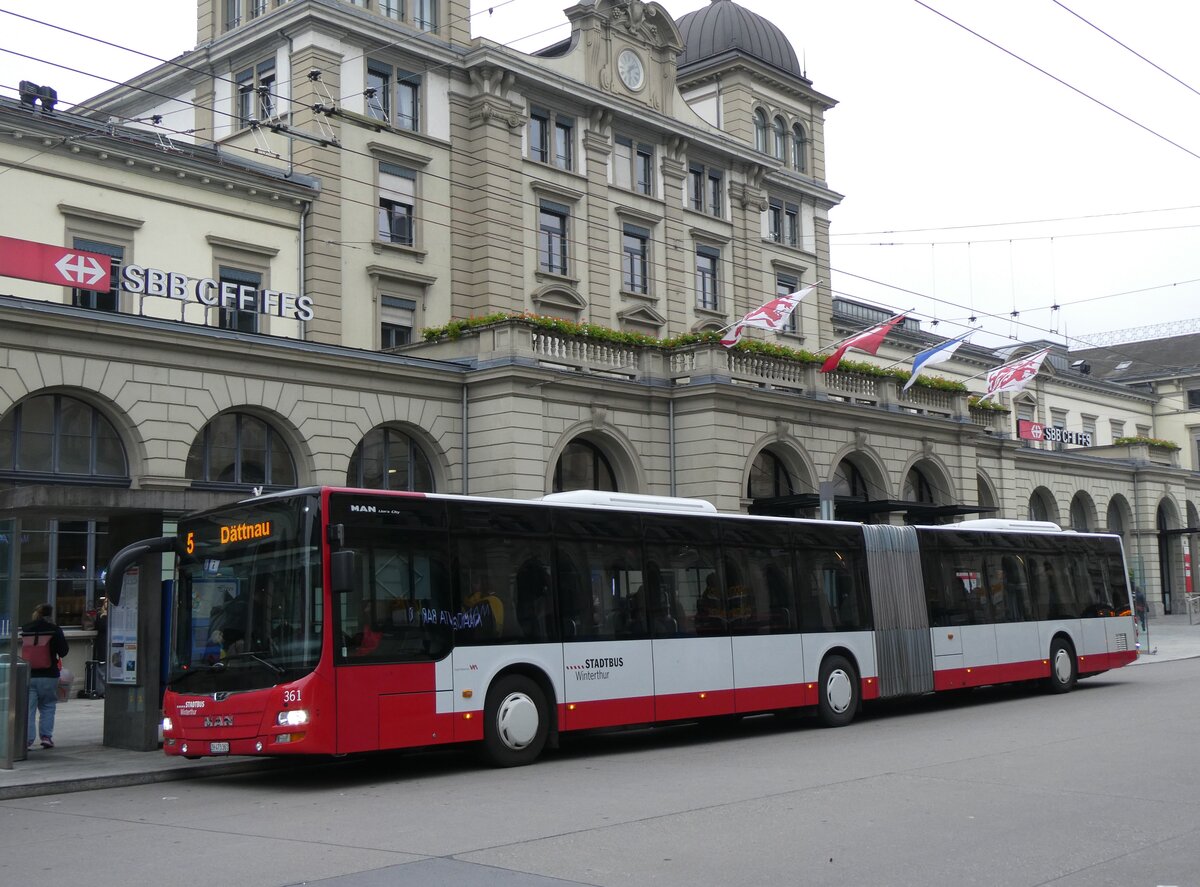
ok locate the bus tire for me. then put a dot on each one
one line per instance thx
(516, 721)
(837, 692)
(1063, 667)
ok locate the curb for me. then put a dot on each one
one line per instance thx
(149, 777)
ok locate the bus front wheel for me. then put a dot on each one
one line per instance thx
(1062, 667)
(516, 721)
(838, 691)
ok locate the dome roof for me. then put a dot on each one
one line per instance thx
(723, 26)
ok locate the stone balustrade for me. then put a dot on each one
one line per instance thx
(706, 363)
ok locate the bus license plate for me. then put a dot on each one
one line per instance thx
(218, 748)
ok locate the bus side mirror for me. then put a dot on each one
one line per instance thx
(343, 565)
(114, 575)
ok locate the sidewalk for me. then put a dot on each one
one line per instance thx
(80, 762)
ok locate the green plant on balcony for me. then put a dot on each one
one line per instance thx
(976, 402)
(456, 328)
(1148, 441)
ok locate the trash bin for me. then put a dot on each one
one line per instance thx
(20, 705)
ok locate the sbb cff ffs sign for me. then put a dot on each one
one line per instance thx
(54, 264)
(1027, 430)
(91, 271)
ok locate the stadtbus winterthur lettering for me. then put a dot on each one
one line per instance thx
(214, 293)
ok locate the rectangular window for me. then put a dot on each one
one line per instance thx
(396, 319)
(564, 142)
(775, 221)
(696, 188)
(1193, 399)
(379, 92)
(539, 135)
(1143, 430)
(257, 8)
(1117, 427)
(1089, 427)
(393, 9)
(408, 100)
(551, 138)
(256, 92)
(397, 199)
(715, 203)
(707, 289)
(425, 15)
(785, 285)
(705, 190)
(101, 301)
(633, 165)
(791, 224)
(245, 96)
(552, 237)
(233, 14)
(393, 96)
(239, 300)
(635, 249)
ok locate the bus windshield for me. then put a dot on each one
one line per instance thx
(248, 610)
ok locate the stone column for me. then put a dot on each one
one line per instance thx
(598, 241)
(322, 247)
(488, 239)
(673, 250)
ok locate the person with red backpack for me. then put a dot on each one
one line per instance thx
(43, 645)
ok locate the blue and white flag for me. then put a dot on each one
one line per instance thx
(939, 353)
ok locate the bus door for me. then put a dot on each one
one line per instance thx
(690, 617)
(608, 669)
(394, 677)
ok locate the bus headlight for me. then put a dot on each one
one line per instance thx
(294, 717)
(167, 726)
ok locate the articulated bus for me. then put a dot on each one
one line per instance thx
(335, 621)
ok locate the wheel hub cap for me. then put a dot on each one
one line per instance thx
(839, 691)
(517, 721)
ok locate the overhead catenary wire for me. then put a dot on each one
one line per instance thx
(613, 252)
(1059, 80)
(919, 315)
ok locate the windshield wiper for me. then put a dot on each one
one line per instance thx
(250, 654)
(194, 669)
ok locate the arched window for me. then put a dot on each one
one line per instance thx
(917, 488)
(769, 478)
(582, 466)
(388, 459)
(780, 141)
(849, 481)
(1041, 507)
(760, 130)
(1080, 513)
(799, 149)
(237, 449)
(56, 435)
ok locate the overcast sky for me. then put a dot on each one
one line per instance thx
(935, 129)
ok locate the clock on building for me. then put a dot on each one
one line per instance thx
(630, 70)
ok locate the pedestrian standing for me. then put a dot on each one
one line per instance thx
(1139, 606)
(43, 645)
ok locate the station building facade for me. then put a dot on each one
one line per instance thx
(335, 187)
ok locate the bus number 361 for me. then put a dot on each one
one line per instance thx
(290, 696)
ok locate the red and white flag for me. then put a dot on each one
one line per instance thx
(1014, 375)
(868, 341)
(772, 316)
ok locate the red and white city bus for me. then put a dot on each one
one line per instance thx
(333, 621)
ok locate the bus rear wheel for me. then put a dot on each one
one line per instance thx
(837, 692)
(1063, 671)
(516, 721)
